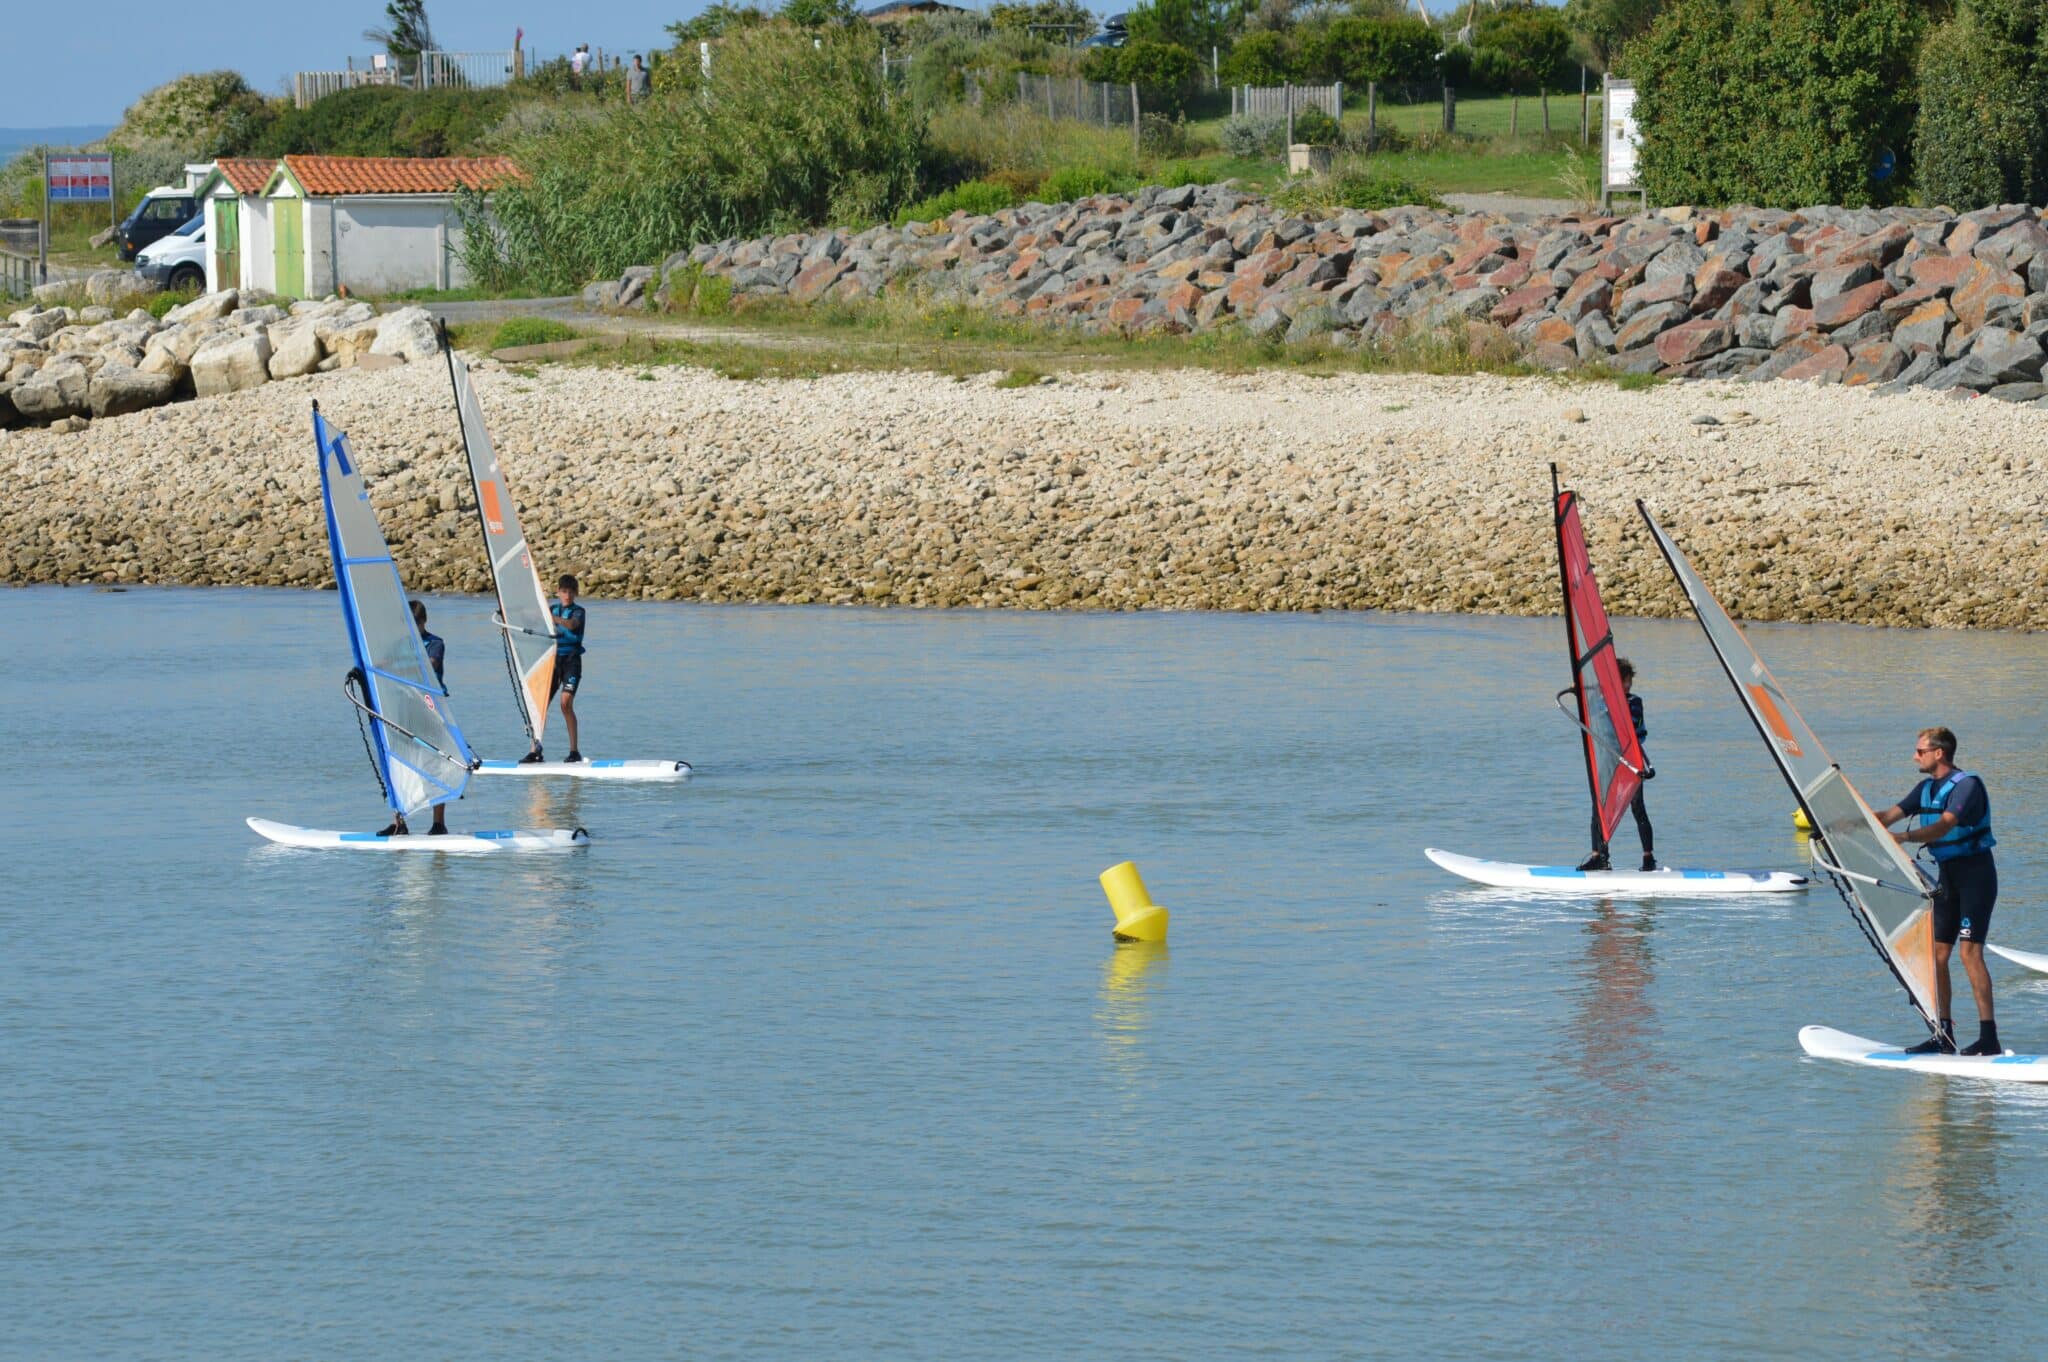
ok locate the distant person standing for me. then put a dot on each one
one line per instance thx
(437, 655)
(637, 84)
(579, 59)
(1598, 860)
(568, 621)
(1954, 814)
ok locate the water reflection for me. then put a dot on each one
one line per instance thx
(1614, 1024)
(1133, 970)
(1946, 1177)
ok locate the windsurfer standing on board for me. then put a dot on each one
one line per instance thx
(1598, 860)
(437, 656)
(1955, 825)
(568, 674)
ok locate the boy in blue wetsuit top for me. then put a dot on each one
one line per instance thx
(1954, 813)
(568, 619)
(437, 657)
(1598, 860)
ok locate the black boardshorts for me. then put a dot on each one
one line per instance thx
(568, 674)
(1964, 897)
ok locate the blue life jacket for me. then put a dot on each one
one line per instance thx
(1963, 839)
(569, 628)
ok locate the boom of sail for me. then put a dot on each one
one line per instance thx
(419, 753)
(1614, 758)
(523, 617)
(1883, 888)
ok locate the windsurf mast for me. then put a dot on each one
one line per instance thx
(1883, 889)
(418, 752)
(1607, 733)
(522, 619)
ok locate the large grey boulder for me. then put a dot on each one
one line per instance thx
(42, 325)
(118, 389)
(407, 333)
(230, 364)
(206, 307)
(60, 388)
(103, 286)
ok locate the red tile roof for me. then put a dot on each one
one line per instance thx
(246, 174)
(321, 175)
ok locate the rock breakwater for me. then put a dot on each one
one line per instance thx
(1136, 490)
(1896, 297)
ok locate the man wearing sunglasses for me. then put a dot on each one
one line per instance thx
(1954, 823)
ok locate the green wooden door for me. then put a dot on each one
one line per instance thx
(227, 252)
(290, 237)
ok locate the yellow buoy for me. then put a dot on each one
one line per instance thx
(1801, 821)
(1138, 918)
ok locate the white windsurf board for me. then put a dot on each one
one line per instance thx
(458, 843)
(1824, 1042)
(590, 770)
(2033, 960)
(1564, 879)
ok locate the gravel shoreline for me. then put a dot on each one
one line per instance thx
(1157, 490)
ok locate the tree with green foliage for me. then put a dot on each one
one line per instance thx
(406, 33)
(1263, 58)
(1196, 25)
(1981, 137)
(1357, 50)
(819, 13)
(1605, 27)
(1057, 21)
(1165, 73)
(715, 22)
(1522, 47)
(1779, 103)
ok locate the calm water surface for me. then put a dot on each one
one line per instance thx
(830, 1054)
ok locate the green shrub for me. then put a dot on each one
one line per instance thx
(1264, 58)
(1779, 103)
(977, 197)
(1356, 49)
(1522, 48)
(787, 134)
(1981, 137)
(1080, 182)
(1178, 173)
(1251, 136)
(1165, 73)
(530, 331)
(1313, 126)
(383, 120)
(1350, 187)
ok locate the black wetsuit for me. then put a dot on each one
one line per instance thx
(1635, 714)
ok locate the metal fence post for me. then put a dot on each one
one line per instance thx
(1450, 109)
(1372, 115)
(1137, 134)
(1340, 101)
(1585, 109)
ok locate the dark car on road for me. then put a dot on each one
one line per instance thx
(161, 212)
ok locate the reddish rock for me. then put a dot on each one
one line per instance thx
(1826, 364)
(1553, 330)
(1512, 275)
(1873, 362)
(1844, 308)
(1880, 248)
(1985, 293)
(1521, 302)
(1790, 322)
(1703, 232)
(809, 284)
(1940, 271)
(1124, 312)
(1025, 263)
(1467, 260)
(1553, 355)
(1179, 269)
(1588, 294)
(1924, 328)
(1644, 326)
(1182, 302)
(1714, 285)
(1690, 341)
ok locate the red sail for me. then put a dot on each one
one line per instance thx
(1614, 759)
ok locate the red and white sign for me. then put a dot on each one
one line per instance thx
(80, 178)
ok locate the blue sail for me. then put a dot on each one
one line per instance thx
(418, 749)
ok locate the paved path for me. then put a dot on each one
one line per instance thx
(1510, 203)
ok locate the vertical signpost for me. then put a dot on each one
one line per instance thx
(1619, 140)
(73, 177)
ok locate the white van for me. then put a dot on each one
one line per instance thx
(177, 263)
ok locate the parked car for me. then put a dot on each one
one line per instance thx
(162, 211)
(177, 262)
(1114, 33)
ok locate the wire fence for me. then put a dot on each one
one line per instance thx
(17, 275)
(1081, 101)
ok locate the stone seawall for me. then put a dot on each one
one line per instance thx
(1897, 297)
(1105, 490)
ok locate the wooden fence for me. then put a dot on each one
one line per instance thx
(17, 275)
(1274, 101)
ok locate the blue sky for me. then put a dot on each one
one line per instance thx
(58, 70)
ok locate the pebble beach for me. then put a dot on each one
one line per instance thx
(1103, 490)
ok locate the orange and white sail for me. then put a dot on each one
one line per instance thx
(522, 603)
